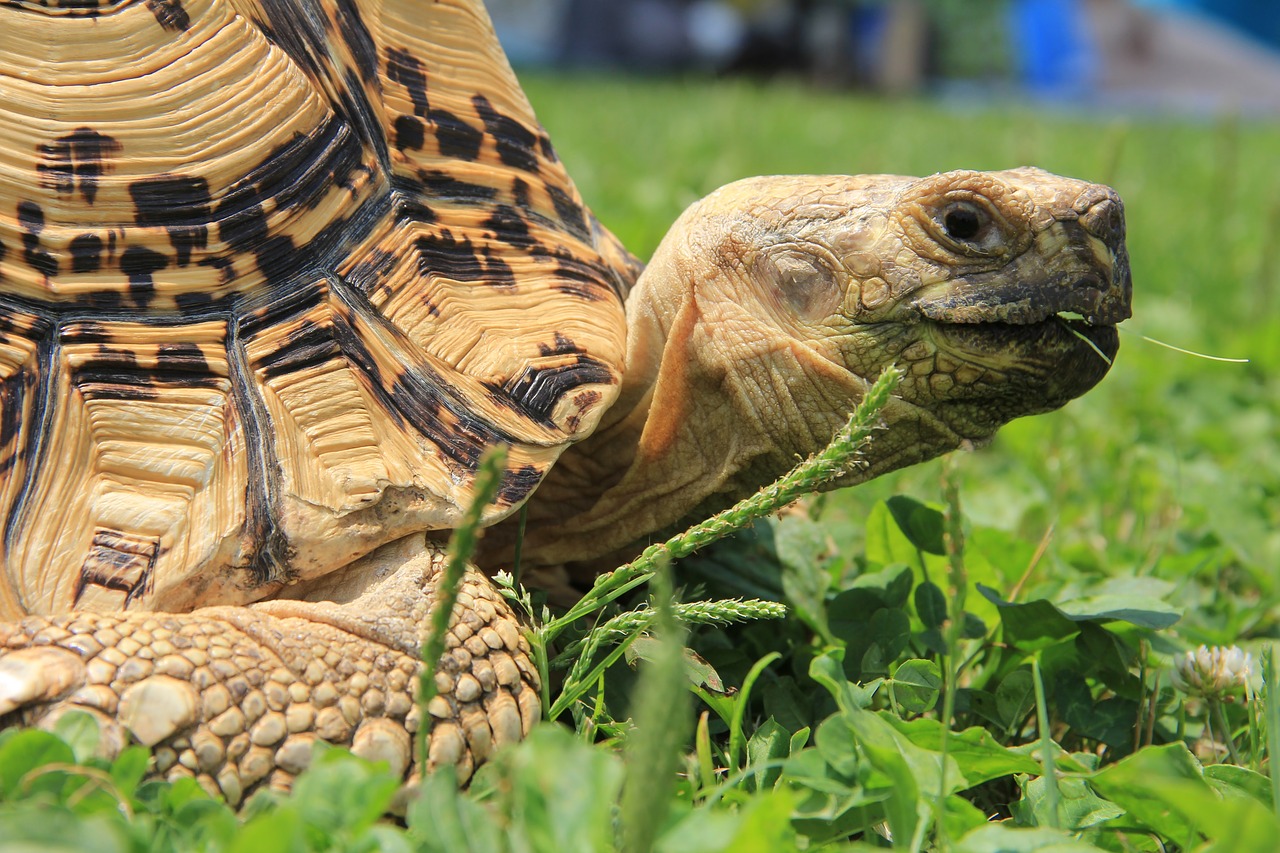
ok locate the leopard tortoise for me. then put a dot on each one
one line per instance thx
(275, 273)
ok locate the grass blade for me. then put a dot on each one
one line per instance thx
(462, 544)
(660, 715)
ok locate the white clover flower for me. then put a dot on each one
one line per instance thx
(1212, 671)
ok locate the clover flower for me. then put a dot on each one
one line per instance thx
(1211, 671)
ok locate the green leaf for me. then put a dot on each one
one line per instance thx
(697, 670)
(1230, 780)
(382, 838)
(1079, 807)
(808, 768)
(172, 796)
(1163, 788)
(885, 543)
(40, 827)
(762, 825)
(1015, 697)
(80, 731)
(768, 743)
(931, 604)
(890, 585)
(787, 703)
(921, 524)
(1039, 619)
(834, 740)
(961, 817)
(1108, 720)
(552, 808)
(798, 741)
(973, 628)
(932, 641)
(1031, 625)
(1104, 648)
(982, 703)
(828, 670)
(916, 685)
(979, 756)
(202, 823)
(130, 767)
(1139, 610)
(443, 819)
(915, 773)
(1002, 838)
(849, 612)
(279, 830)
(341, 793)
(26, 751)
(889, 631)
(801, 544)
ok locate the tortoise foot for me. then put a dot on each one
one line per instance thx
(236, 697)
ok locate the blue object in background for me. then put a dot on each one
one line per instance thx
(1257, 18)
(1050, 47)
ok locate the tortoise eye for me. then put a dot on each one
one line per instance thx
(964, 222)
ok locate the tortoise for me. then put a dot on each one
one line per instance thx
(274, 274)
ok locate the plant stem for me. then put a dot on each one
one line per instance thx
(523, 518)
(1271, 696)
(1220, 717)
(462, 544)
(953, 539)
(1049, 770)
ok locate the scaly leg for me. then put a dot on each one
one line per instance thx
(236, 696)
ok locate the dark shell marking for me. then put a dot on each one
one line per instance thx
(215, 367)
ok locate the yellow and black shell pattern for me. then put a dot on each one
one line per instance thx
(273, 276)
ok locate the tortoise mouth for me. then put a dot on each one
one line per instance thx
(1060, 333)
(1084, 300)
(1068, 319)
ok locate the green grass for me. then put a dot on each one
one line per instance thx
(978, 649)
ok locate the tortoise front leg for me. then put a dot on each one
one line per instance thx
(236, 696)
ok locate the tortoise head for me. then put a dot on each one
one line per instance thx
(997, 293)
(774, 302)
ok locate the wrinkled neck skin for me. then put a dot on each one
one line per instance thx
(765, 314)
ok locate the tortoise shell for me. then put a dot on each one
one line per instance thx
(273, 276)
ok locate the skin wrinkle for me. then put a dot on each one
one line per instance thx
(750, 341)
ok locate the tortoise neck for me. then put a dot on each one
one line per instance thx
(682, 438)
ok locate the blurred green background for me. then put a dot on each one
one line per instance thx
(1171, 466)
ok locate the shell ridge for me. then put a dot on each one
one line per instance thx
(308, 47)
(420, 392)
(38, 420)
(266, 544)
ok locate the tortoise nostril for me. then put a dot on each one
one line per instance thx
(1105, 220)
(1091, 281)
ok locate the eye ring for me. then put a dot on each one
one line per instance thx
(964, 222)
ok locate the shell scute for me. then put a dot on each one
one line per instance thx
(141, 422)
